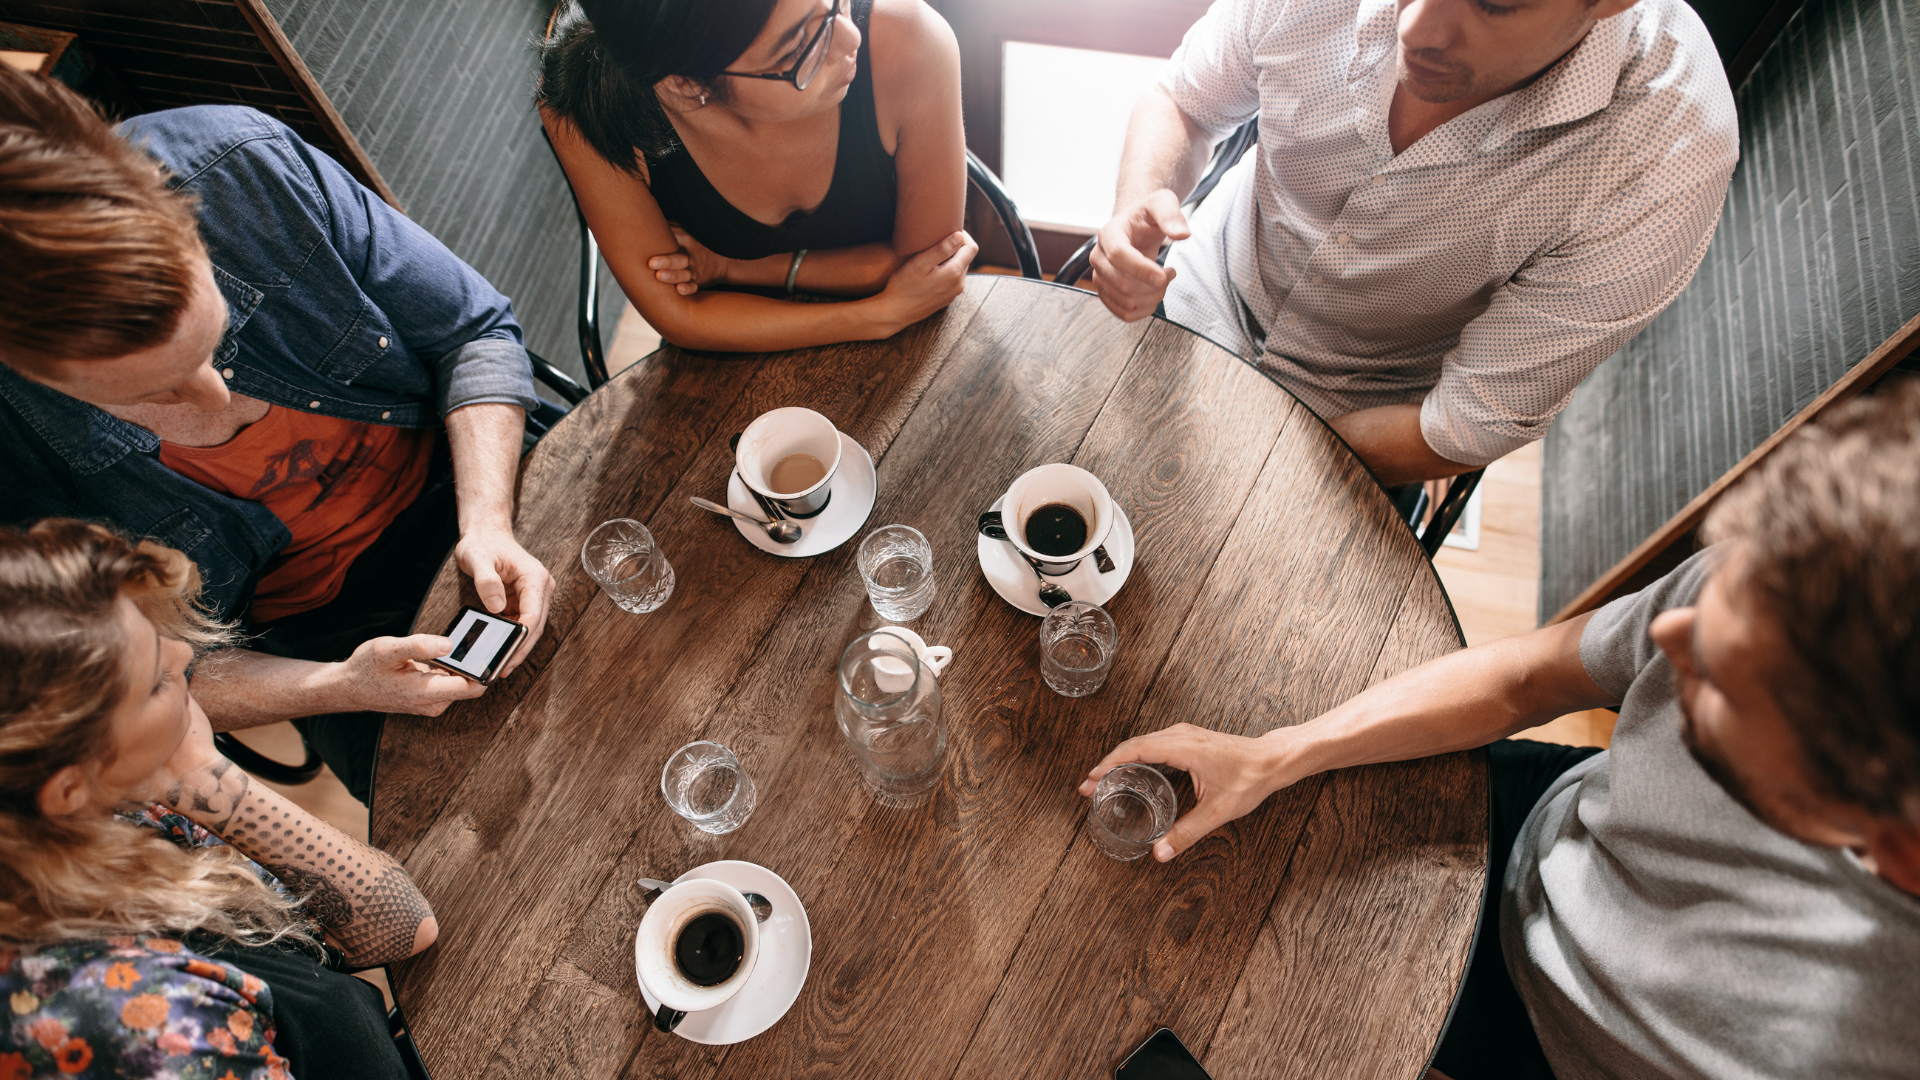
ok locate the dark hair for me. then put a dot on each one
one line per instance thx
(599, 67)
(104, 253)
(1830, 525)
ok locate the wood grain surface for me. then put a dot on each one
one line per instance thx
(980, 934)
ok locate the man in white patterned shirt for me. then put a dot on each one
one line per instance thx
(1455, 211)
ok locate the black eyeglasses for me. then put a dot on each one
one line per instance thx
(813, 56)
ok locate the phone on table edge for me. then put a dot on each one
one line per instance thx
(1162, 1057)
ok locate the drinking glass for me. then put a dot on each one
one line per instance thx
(705, 784)
(898, 736)
(896, 562)
(1133, 806)
(621, 556)
(1077, 643)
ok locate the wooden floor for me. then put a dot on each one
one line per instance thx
(1496, 589)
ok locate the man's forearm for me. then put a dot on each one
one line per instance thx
(485, 442)
(1164, 149)
(1463, 700)
(241, 688)
(1389, 441)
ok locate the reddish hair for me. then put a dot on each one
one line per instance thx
(103, 253)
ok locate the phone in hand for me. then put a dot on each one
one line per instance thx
(482, 643)
(1161, 1057)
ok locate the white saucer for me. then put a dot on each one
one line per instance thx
(1012, 576)
(855, 486)
(786, 948)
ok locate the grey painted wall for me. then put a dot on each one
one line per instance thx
(1816, 262)
(439, 92)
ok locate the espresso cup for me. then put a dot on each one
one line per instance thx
(776, 448)
(1057, 485)
(657, 946)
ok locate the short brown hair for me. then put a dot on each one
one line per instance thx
(102, 253)
(1830, 529)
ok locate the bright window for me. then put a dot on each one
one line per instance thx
(1063, 119)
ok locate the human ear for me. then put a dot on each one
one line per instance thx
(1672, 630)
(1895, 848)
(689, 92)
(65, 793)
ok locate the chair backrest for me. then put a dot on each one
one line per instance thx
(1023, 246)
(1225, 156)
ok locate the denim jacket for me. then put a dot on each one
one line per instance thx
(338, 305)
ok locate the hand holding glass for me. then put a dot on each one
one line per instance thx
(1133, 806)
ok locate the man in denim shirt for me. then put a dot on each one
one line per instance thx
(215, 337)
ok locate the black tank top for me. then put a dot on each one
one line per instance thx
(859, 205)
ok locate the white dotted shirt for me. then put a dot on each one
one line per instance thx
(1489, 268)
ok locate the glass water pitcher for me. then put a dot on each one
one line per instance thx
(888, 709)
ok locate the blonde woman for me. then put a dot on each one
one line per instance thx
(162, 913)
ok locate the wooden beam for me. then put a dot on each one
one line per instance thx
(353, 155)
(1683, 524)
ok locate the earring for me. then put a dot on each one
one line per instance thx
(703, 101)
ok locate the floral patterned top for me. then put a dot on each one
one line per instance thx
(135, 1006)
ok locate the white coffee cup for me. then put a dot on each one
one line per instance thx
(1059, 483)
(660, 928)
(772, 438)
(895, 676)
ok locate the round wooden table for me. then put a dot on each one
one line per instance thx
(981, 934)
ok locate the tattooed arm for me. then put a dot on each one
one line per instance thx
(369, 906)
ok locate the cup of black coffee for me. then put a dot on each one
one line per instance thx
(696, 948)
(1057, 515)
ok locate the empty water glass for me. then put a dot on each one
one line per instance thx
(1077, 643)
(621, 556)
(1133, 806)
(896, 562)
(705, 784)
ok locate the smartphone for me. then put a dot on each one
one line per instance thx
(482, 644)
(1161, 1057)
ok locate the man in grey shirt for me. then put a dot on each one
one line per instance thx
(1733, 888)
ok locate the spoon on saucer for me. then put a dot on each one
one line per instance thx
(1051, 594)
(780, 532)
(762, 907)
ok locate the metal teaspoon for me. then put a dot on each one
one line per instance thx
(780, 532)
(762, 907)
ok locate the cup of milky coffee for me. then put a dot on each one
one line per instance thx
(696, 948)
(1056, 515)
(789, 455)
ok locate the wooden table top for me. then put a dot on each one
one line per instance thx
(980, 934)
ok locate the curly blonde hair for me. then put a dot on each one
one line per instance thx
(61, 652)
(1830, 530)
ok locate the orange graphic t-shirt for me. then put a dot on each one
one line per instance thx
(334, 483)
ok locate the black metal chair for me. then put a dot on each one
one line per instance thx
(1023, 246)
(409, 1051)
(1412, 501)
(1225, 156)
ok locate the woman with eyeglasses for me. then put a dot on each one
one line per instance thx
(729, 154)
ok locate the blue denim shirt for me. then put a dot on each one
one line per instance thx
(338, 305)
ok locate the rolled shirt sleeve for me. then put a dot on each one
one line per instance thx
(1544, 331)
(1212, 76)
(448, 314)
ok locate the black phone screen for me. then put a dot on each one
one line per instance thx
(1161, 1057)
